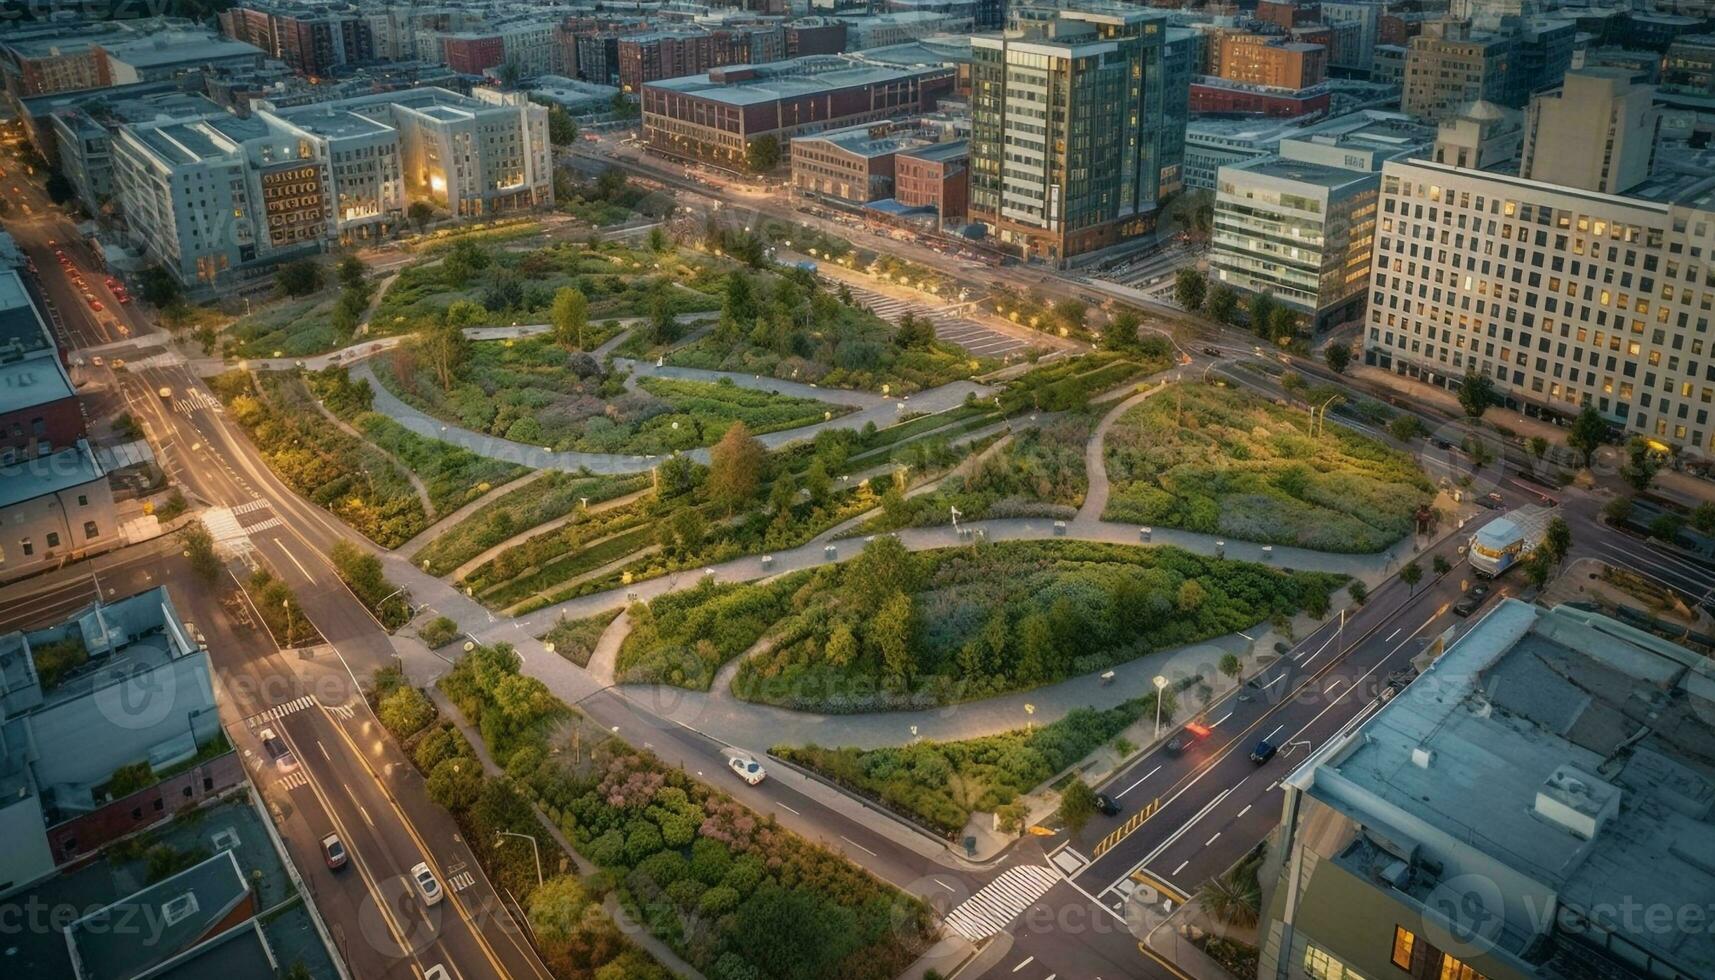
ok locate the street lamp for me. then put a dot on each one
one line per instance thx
(1160, 694)
(534, 849)
(1029, 713)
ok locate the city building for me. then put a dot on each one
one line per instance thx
(207, 916)
(1367, 16)
(815, 35)
(1217, 96)
(311, 41)
(674, 54)
(847, 166)
(1300, 227)
(1480, 136)
(1449, 66)
(1213, 143)
(1596, 133)
(1288, 14)
(57, 507)
(1262, 60)
(528, 48)
(39, 412)
(598, 58)
(167, 55)
(1058, 185)
(108, 724)
(1387, 65)
(1536, 805)
(935, 177)
(1564, 297)
(1543, 49)
(881, 30)
(577, 97)
(1643, 67)
(716, 116)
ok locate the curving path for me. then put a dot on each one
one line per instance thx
(1095, 455)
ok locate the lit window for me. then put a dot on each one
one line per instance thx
(1452, 969)
(1403, 943)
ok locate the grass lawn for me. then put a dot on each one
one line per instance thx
(532, 391)
(1238, 465)
(537, 502)
(1070, 383)
(353, 480)
(293, 328)
(890, 629)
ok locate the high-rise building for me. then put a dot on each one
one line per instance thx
(1564, 297)
(1536, 805)
(1263, 60)
(1597, 133)
(1449, 66)
(1068, 125)
(1367, 15)
(1480, 136)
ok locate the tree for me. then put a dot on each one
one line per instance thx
(1231, 666)
(1190, 287)
(890, 631)
(420, 212)
(570, 315)
(1557, 540)
(1259, 309)
(562, 128)
(762, 154)
(914, 333)
(60, 190)
(1282, 323)
(1441, 566)
(1359, 592)
(1538, 446)
(842, 646)
(465, 259)
(1233, 898)
(1221, 303)
(353, 274)
(1411, 574)
(883, 567)
(1618, 511)
(1338, 357)
(735, 467)
(1071, 313)
(1589, 430)
(1640, 466)
(1121, 334)
(817, 483)
(1476, 394)
(1538, 568)
(1405, 427)
(444, 346)
(1077, 805)
(658, 242)
(1703, 518)
(199, 549)
(299, 278)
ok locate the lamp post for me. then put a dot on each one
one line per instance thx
(534, 849)
(1160, 693)
(1029, 714)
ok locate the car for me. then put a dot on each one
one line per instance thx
(1441, 444)
(278, 752)
(1263, 752)
(1190, 735)
(333, 852)
(436, 972)
(1471, 600)
(1397, 681)
(166, 393)
(428, 887)
(1212, 351)
(95, 305)
(122, 296)
(1106, 805)
(747, 769)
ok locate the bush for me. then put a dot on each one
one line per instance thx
(405, 711)
(439, 632)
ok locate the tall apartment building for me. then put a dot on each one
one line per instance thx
(1564, 297)
(1068, 125)
(1689, 65)
(1367, 14)
(598, 58)
(1287, 14)
(1448, 66)
(1255, 59)
(656, 55)
(1537, 805)
(530, 47)
(311, 42)
(1597, 132)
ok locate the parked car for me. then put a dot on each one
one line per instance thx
(1106, 805)
(278, 752)
(428, 887)
(1264, 751)
(1471, 600)
(1190, 735)
(333, 852)
(747, 769)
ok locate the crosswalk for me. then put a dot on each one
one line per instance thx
(345, 711)
(953, 329)
(295, 779)
(195, 400)
(279, 711)
(1000, 901)
(249, 507)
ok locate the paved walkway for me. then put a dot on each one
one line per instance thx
(489, 554)
(434, 530)
(1095, 456)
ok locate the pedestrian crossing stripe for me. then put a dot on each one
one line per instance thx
(265, 525)
(997, 903)
(294, 780)
(194, 401)
(461, 881)
(279, 711)
(249, 506)
(346, 711)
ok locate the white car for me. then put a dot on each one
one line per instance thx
(747, 770)
(428, 888)
(436, 972)
(277, 750)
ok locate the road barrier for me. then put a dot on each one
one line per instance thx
(1125, 830)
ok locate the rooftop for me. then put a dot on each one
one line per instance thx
(1570, 748)
(71, 467)
(179, 47)
(328, 120)
(181, 911)
(21, 328)
(1301, 172)
(33, 381)
(755, 84)
(121, 638)
(948, 150)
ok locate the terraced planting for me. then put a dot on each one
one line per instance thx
(1220, 461)
(552, 496)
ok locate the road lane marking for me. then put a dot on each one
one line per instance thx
(1390, 636)
(1270, 736)
(1333, 684)
(1212, 839)
(942, 883)
(788, 809)
(1182, 864)
(1246, 810)
(860, 847)
(1023, 963)
(296, 562)
(997, 903)
(1220, 719)
(1139, 782)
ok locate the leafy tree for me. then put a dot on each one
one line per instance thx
(199, 549)
(420, 212)
(456, 784)
(883, 567)
(1190, 287)
(735, 467)
(510, 71)
(60, 190)
(1359, 592)
(1071, 313)
(1231, 666)
(914, 333)
(1538, 568)
(1618, 511)
(1557, 540)
(570, 315)
(1666, 527)
(1411, 574)
(1441, 566)
(1077, 805)
(1703, 517)
(1259, 308)
(1589, 430)
(299, 278)
(464, 260)
(1121, 334)
(1233, 898)
(762, 155)
(738, 307)
(658, 242)
(1221, 303)
(842, 646)
(890, 631)
(562, 128)
(1476, 394)
(817, 483)
(158, 287)
(1640, 466)
(1405, 427)
(663, 328)
(1339, 356)
(353, 274)
(1538, 446)
(444, 345)
(1282, 323)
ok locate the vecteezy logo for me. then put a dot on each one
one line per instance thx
(135, 698)
(417, 930)
(1464, 915)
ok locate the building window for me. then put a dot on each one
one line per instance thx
(1403, 943)
(1318, 965)
(53, 539)
(90, 531)
(1453, 969)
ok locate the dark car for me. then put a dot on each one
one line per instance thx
(1491, 501)
(1263, 752)
(1474, 598)
(1188, 736)
(1106, 805)
(1441, 444)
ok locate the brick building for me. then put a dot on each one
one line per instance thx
(1256, 60)
(1213, 95)
(936, 176)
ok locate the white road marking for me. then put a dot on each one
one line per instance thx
(1023, 963)
(1139, 781)
(860, 847)
(997, 903)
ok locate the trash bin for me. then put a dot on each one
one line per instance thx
(830, 552)
(1059, 529)
(1143, 533)
(1268, 552)
(1220, 549)
(767, 562)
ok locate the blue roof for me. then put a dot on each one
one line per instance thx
(33, 381)
(42, 475)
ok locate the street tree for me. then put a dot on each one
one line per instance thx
(199, 549)
(1538, 446)
(299, 278)
(1221, 303)
(735, 468)
(1557, 540)
(444, 346)
(1338, 357)
(1077, 805)
(1589, 430)
(1411, 574)
(1231, 665)
(562, 128)
(1640, 466)
(1441, 566)
(1190, 288)
(420, 212)
(353, 274)
(571, 316)
(1703, 518)
(1476, 394)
